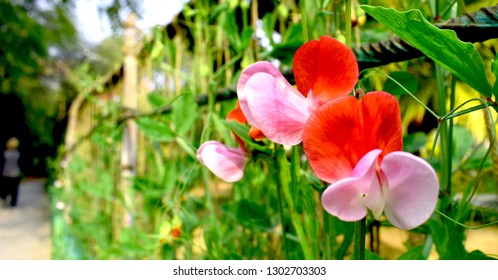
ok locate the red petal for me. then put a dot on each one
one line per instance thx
(327, 68)
(333, 138)
(236, 114)
(341, 132)
(256, 134)
(382, 120)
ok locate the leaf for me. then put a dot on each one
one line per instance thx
(243, 132)
(462, 143)
(184, 113)
(245, 38)
(155, 130)
(404, 78)
(157, 100)
(477, 255)
(230, 28)
(248, 214)
(285, 52)
(494, 69)
(461, 59)
(414, 141)
(413, 254)
(369, 255)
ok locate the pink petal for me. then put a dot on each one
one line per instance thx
(258, 67)
(349, 198)
(413, 189)
(226, 163)
(277, 108)
(374, 198)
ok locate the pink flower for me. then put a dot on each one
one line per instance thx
(356, 146)
(324, 70)
(226, 163)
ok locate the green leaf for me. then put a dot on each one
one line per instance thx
(248, 214)
(404, 78)
(461, 59)
(494, 69)
(369, 255)
(414, 141)
(477, 255)
(184, 113)
(413, 254)
(243, 132)
(285, 52)
(155, 130)
(230, 28)
(157, 100)
(463, 141)
(245, 38)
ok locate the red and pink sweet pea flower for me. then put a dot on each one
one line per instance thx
(227, 163)
(324, 70)
(356, 146)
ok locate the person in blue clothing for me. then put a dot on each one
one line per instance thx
(11, 173)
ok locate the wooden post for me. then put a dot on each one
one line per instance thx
(122, 218)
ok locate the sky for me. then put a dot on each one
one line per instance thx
(95, 28)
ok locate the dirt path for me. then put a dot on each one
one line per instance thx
(25, 229)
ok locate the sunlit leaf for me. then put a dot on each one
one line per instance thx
(461, 59)
(155, 130)
(184, 113)
(156, 100)
(478, 255)
(413, 254)
(494, 69)
(369, 255)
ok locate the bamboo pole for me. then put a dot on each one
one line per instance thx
(122, 217)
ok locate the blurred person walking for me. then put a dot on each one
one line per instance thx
(11, 173)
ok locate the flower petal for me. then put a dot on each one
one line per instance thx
(258, 67)
(413, 189)
(373, 189)
(342, 131)
(334, 139)
(327, 69)
(256, 134)
(236, 114)
(346, 198)
(226, 163)
(382, 121)
(277, 108)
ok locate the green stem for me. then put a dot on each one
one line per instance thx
(444, 133)
(284, 178)
(281, 212)
(359, 240)
(450, 136)
(304, 21)
(327, 228)
(348, 23)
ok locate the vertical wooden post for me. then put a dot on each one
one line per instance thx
(122, 218)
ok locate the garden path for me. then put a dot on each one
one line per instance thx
(25, 229)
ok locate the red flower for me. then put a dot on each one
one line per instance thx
(356, 146)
